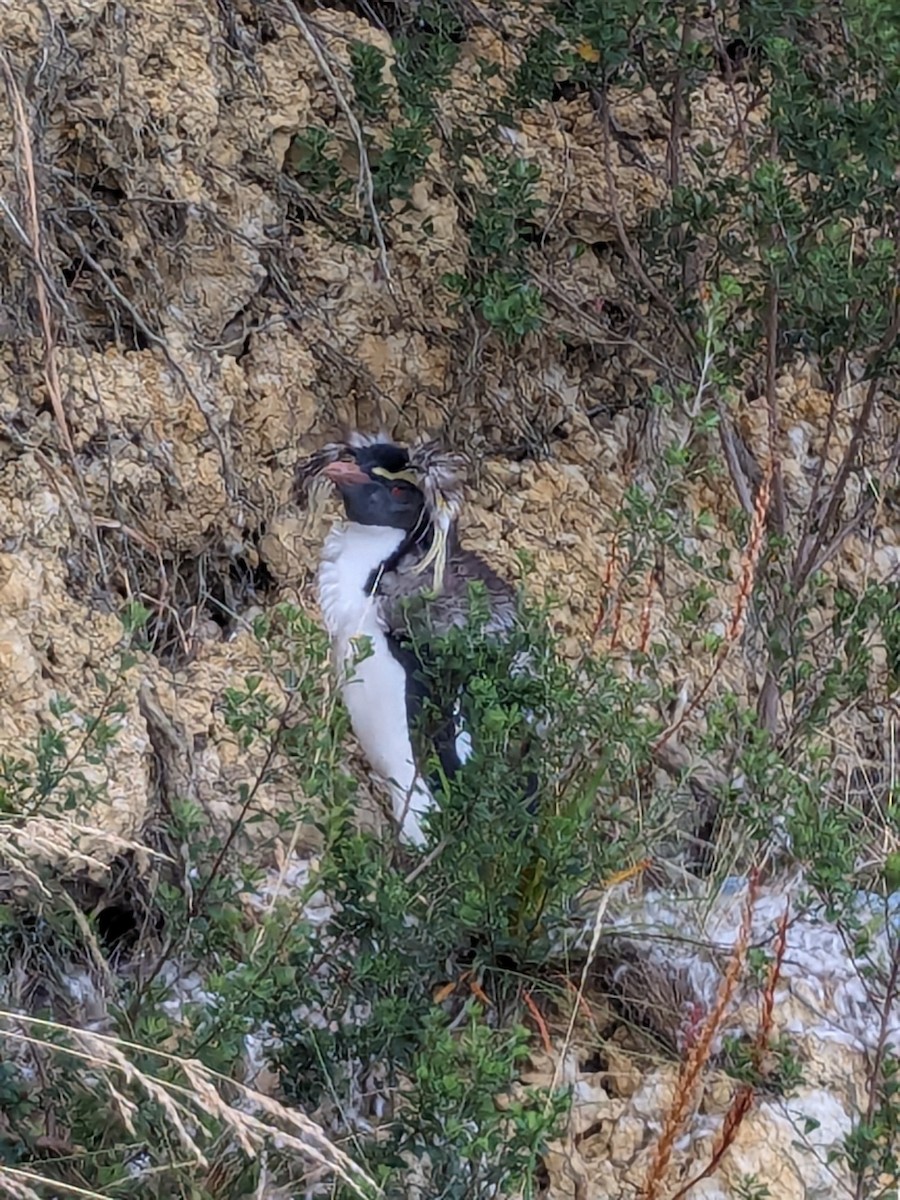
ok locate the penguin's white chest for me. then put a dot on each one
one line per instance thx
(373, 687)
(351, 553)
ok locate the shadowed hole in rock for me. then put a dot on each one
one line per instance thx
(104, 319)
(128, 334)
(596, 1061)
(587, 1134)
(48, 959)
(739, 60)
(542, 1178)
(240, 27)
(647, 1000)
(121, 911)
(188, 599)
(118, 928)
(568, 90)
(208, 589)
(116, 250)
(703, 843)
(236, 336)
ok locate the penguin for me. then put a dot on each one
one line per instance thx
(397, 546)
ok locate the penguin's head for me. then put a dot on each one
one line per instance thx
(379, 487)
(382, 484)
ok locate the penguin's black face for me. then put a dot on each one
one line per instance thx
(378, 488)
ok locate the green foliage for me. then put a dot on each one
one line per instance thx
(535, 75)
(427, 50)
(781, 800)
(53, 776)
(870, 1149)
(312, 160)
(401, 163)
(497, 283)
(491, 903)
(825, 161)
(450, 1114)
(490, 906)
(858, 624)
(498, 228)
(591, 44)
(506, 300)
(780, 1071)
(498, 286)
(796, 231)
(749, 1187)
(368, 63)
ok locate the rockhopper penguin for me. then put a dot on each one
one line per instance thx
(399, 541)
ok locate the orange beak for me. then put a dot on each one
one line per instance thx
(347, 473)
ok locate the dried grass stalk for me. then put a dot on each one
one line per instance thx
(51, 371)
(743, 1100)
(186, 1107)
(699, 1052)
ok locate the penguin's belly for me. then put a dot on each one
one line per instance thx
(373, 687)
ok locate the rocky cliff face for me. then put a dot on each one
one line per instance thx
(187, 310)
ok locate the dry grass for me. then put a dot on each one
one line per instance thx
(698, 1054)
(745, 1095)
(193, 1111)
(60, 840)
(21, 1184)
(614, 881)
(33, 238)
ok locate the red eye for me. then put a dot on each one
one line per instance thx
(398, 490)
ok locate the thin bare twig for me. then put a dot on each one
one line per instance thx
(839, 383)
(881, 1049)
(749, 562)
(808, 555)
(676, 120)
(646, 610)
(51, 370)
(733, 457)
(767, 704)
(601, 103)
(366, 182)
(732, 91)
(777, 512)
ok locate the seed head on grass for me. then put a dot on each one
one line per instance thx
(189, 1108)
(699, 1052)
